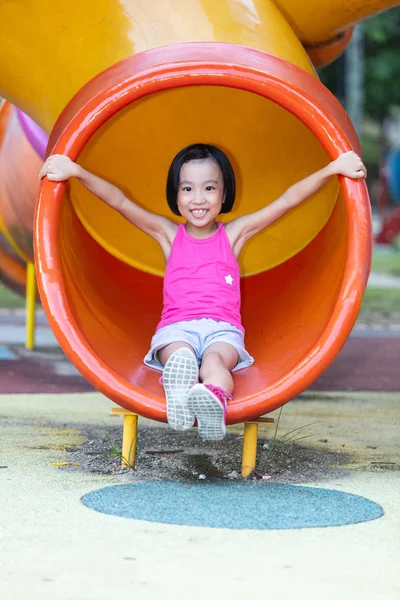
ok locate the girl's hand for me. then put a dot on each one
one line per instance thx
(59, 168)
(350, 165)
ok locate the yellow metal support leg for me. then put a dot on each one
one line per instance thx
(30, 305)
(129, 440)
(129, 436)
(250, 437)
(249, 455)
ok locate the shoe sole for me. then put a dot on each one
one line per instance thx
(179, 375)
(209, 413)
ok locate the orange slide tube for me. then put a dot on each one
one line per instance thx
(19, 166)
(303, 279)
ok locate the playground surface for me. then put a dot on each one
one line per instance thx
(55, 546)
(58, 452)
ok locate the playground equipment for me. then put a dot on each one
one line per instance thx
(22, 148)
(12, 268)
(236, 76)
(304, 277)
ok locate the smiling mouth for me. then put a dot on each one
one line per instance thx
(197, 212)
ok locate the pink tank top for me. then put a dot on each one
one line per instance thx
(202, 280)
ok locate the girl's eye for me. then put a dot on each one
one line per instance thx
(209, 188)
(187, 189)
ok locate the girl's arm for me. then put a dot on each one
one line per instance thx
(242, 229)
(60, 168)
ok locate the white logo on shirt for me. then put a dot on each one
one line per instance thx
(229, 279)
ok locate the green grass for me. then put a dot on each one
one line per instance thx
(9, 299)
(381, 300)
(386, 262)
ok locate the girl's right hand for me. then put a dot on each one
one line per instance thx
(59, 168)
(350, 165)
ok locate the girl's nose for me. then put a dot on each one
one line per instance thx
(198, 198)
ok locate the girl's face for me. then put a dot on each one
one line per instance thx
(200, 193)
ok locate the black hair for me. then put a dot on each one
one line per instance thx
(199, 152)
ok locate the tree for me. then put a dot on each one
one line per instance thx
(382, 65)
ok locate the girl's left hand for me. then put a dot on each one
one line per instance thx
(350, 165)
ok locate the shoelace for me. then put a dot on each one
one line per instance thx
(219, 393)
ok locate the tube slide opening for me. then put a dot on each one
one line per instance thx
(303, 278)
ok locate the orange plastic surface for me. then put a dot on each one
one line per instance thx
(297, 315)
(318, 21)
(19, 166)
(324, 53)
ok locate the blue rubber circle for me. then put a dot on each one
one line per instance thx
(233, 505)
(393, 163)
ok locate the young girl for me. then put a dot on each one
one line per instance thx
(199, 341)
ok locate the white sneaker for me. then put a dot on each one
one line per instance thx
(180, 374)
(210, 411)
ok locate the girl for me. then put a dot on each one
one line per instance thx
(199, 341)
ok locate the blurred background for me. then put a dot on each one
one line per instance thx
(365, 79)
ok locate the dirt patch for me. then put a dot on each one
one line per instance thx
(165, 454)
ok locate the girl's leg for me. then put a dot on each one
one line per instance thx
(217, 363)
(179, 375)
(207, 401)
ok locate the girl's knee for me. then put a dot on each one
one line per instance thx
(212, 358)
(224, 356)
(211, 361)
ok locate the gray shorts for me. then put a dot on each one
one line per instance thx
(199, 334)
